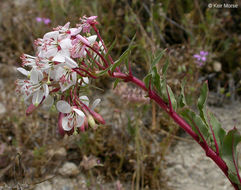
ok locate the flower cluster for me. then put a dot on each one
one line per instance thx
(65, 60)
(201, 58)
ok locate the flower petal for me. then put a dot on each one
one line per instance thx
(34, 76)
(63, 106)
(65, 124)
(85, 100)
(37, 97)
(23, 71)
(59, 57)
(79, 112)
(92, 39)
(95, 103)
(46, 90)
(70, 62)
(48, 102)
(85, 81)
(53, 34)
(80, 121)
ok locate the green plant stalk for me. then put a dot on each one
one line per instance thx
(180, 121)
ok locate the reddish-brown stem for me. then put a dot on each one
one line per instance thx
(102, 42)
(79, 73)
(180, 121)
(101, 56)
(96, 62)
(87, 72)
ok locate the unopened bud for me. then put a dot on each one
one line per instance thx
(91, 122)
(98, 117)
(30, 109)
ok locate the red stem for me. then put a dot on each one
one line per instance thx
(96, 62)
(102, 42)
(87, 72)
(180, 121)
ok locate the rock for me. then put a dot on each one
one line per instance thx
(61, 152)
(217, 67)
(44, 186)
(69, 169)
(2, 109)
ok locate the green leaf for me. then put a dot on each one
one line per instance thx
(202, 99)
(181, 99)
(218, 131)
(165, 67)
(103, 72)
(229, 153)
(110, 48)
(155, 78)
(147, 80)
(194, 121)
(157, 58)
(116, 82)
(172, 97)
(124, 55)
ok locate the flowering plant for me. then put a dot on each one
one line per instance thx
(67, 58)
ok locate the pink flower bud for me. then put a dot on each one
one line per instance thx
(98, 117)
(31, 108)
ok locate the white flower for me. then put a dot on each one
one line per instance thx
(86, 101)
(54, 47)
(67, 32)
(64, 74)
(74, 117)
(33, 87)
(80, 44)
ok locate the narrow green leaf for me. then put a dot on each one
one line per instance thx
(203, 97)
(124, 55)
(147, 80)
(155, 78)
(182, 100)
(192, 118)
(110, 48)
(219, 132)
(103, 72)
(157, 58)
(202, 101)
(116, 82)
(229, 152)
(172, 97)
(165, 67)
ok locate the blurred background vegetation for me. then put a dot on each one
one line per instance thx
(133, 145)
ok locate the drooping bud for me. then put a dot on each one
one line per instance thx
(97, 117)
(30, 109)
(91, 122)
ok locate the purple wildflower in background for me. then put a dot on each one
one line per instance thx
(201, 58)
(46, 21)
(39, 19)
